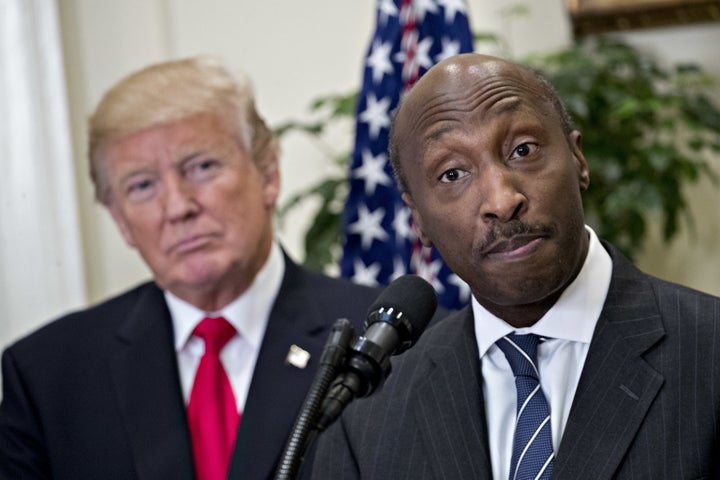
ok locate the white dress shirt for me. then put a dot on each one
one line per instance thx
(569, 325)
(249, 314)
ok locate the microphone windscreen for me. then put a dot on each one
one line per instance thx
(412, 296)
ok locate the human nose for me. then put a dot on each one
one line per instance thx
(180, 201)
(501, 198)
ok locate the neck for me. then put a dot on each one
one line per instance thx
(212, 299)
(522, 316)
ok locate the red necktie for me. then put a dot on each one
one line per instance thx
(212, 412)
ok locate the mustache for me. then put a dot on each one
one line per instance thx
(513, 228)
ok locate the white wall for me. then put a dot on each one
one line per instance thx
(296, 51)
(40, 245)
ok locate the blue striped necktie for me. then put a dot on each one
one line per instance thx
(532, 455)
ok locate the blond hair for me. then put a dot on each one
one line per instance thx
(172, 91)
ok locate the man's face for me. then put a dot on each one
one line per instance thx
(190, 199)
(494, 183)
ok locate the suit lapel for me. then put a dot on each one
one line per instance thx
(449, 406)
(145, 375)
(278, 389)
(617, 386)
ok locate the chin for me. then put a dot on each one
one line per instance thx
(516, 290)
(198, 275)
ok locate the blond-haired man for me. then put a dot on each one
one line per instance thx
(188, 170)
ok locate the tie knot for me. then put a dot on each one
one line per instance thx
(216, 332)
(521, 353)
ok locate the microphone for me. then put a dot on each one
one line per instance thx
(394, 323)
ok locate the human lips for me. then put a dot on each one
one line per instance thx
(190, 243)
(513, 246)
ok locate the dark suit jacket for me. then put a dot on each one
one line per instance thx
(96, 394)
(647, 405)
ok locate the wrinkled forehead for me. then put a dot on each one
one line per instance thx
(451, 93)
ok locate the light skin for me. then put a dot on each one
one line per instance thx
(494, 183)
(190, 199)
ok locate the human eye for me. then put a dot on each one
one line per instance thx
(140, 188)
(524, 149)
(452, 175)
(202, 169)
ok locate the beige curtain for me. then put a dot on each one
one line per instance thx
(40, 248)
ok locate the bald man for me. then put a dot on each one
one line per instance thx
(569, 363)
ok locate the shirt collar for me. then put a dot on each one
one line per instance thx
(574, 315)
(248, 313)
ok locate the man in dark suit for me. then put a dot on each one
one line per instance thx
(570, 363)
(189, 172)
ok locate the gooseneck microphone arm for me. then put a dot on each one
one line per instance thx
(359, 365)
(367, 366)
(395, 322)
(303, 434)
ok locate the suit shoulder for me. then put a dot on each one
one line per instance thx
(334, 291)
(684, 302)
(665, 287)
(85, 323)
(342, 285)
(631, 285)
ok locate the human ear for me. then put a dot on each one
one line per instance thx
(583, 169)
(271, 180)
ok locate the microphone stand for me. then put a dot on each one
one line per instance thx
(364, 372)
(357, 366)
(304, 433)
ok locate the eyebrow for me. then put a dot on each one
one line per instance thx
(191, 156)
(439, 132)
(144, 169)
(214, 149)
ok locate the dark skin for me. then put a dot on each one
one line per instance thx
(494, 182)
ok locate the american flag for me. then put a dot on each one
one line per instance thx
(379, 245)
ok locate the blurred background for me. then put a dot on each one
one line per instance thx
(59, 250)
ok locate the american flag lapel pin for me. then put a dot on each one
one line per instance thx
(297, 357)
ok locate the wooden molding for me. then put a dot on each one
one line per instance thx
(599, 16)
